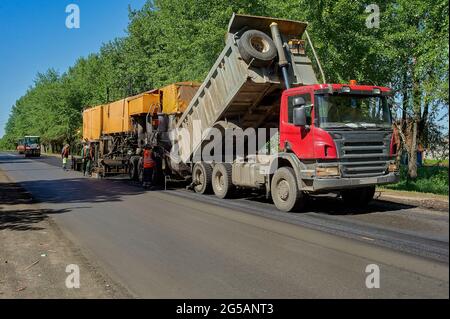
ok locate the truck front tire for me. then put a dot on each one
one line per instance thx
(358, 197)
(201, 178)
(258, 47)
(285, 193)
(221, 180)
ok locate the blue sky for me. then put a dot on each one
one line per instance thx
(34, 38)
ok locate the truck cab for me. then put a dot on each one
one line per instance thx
(337, 137)
(337, 121)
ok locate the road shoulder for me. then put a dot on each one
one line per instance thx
(34, 253)
(424, 200)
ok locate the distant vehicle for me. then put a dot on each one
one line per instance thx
(30, 146)
(21, 146)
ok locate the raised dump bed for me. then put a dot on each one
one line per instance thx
(239, 89)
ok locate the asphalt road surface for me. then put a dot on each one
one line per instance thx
(177, 244)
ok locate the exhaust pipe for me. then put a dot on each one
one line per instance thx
(282, 60)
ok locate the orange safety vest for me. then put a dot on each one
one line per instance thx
(148, 159)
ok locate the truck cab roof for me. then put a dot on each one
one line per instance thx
(331, 88)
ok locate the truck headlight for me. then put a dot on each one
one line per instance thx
(327, 171)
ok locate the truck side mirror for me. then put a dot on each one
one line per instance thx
(300, 116)
(299, 101)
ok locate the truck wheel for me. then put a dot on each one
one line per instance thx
(140, 171)
(201, 177)
(257, 46)
(133, 168)
(358, 197)
(285, 193)
(221, 180)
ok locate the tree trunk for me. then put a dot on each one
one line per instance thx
(405, 102)
(422, 129)
(412, 162)
(417, 102)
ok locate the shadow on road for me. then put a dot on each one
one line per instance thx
(25, 219)
(3, 161)
(80, 190)
(333, 205)
(18, 210)
(21, 159)
(50, 160)
(13, 194)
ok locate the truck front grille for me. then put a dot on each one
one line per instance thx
(363, 155)
(362, 149)
(364, 168)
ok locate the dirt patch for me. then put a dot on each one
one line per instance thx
(425, 200)
(34, 254)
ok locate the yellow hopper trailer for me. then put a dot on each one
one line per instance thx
(119, 130)
(92, 123)
(116, 118)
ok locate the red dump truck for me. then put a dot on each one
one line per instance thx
(262, 121)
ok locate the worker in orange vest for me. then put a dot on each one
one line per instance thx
(149, 167)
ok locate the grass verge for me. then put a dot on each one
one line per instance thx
(430, 179)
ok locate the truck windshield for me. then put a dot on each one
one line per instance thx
(353, 111)
(32, 140)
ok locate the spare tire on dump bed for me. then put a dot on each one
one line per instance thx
(257, 48)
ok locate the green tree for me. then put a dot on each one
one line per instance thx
(173, 40)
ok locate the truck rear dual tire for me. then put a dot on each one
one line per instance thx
(140, 170)
(133, 168)
(201, 178)
(222, 180)
(257, 48)
(285, 192)
(358, 197)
